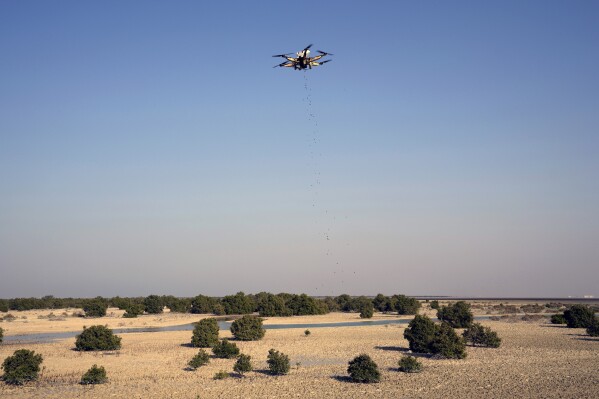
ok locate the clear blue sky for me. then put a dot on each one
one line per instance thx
(450, 148)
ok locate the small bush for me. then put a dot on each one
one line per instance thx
(205, 333)
(420, 333)
(221, 375)
(478, 335)
(447, 343)
(248, 328)
(579, 316)
(457, 315)
(243, 364)
(225, 349)
(97, 338)
(21, 367)
(133, 310)
(363, 369)
(405, 304)
(366, 310)
(558, 318)
(95, 307)
(199, 360)
(307, 332)
(95, 375)
(593, 329)
(434, 304)
(1, 334)
(278, 363)
(409, 364)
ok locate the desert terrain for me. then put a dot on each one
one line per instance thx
(536, 359)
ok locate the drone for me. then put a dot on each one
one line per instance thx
(303, 60)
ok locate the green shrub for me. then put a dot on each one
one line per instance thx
(478, 335)
(95, 375)
(409, 364)
(435, 304)
(153, 304)
(133, 309)
(405, 304)
(225, 349)
(579, 316)
(3, 305)
(21, 367)
(420, 333)
(457, 315)
(199, 360)
(278, 363)
(381, 303)
(366, 310)
(447, 343)
(97, 338)
(1, 334)
(205, 333)
(363, 369)
(95, 307)
(593, 329)
(270, 305)
(558, 318)
(307, 332)
(202, 304)
(238, 304)
(243, 364)
(248, 328)
(221, 375)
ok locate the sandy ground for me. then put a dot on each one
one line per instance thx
(535, 360)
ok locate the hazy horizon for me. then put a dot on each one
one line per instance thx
(448, 149)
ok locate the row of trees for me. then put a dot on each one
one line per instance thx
(264, 303)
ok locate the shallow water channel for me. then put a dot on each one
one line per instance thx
(223, 325)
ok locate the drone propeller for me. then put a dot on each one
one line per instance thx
(282, 55)
(307, 47)
(324, 52)
(324, 62)
(281, 64)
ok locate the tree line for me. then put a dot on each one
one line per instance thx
(264, 303)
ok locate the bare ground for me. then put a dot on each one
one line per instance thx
(535, 360)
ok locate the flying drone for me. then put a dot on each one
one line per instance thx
(303, 60)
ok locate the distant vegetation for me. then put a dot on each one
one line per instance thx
(23, 366)
(97, 338)
(95, 307)
(1, 334)
(264, 303)
(363, 369)
(558, 318)
(153, 304)
(458, 315)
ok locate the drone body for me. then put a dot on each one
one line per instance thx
(302, 61)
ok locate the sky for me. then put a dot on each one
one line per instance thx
(450, 148)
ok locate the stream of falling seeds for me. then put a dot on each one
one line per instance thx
(315, 157)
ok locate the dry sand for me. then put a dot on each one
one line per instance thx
(535, 360)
